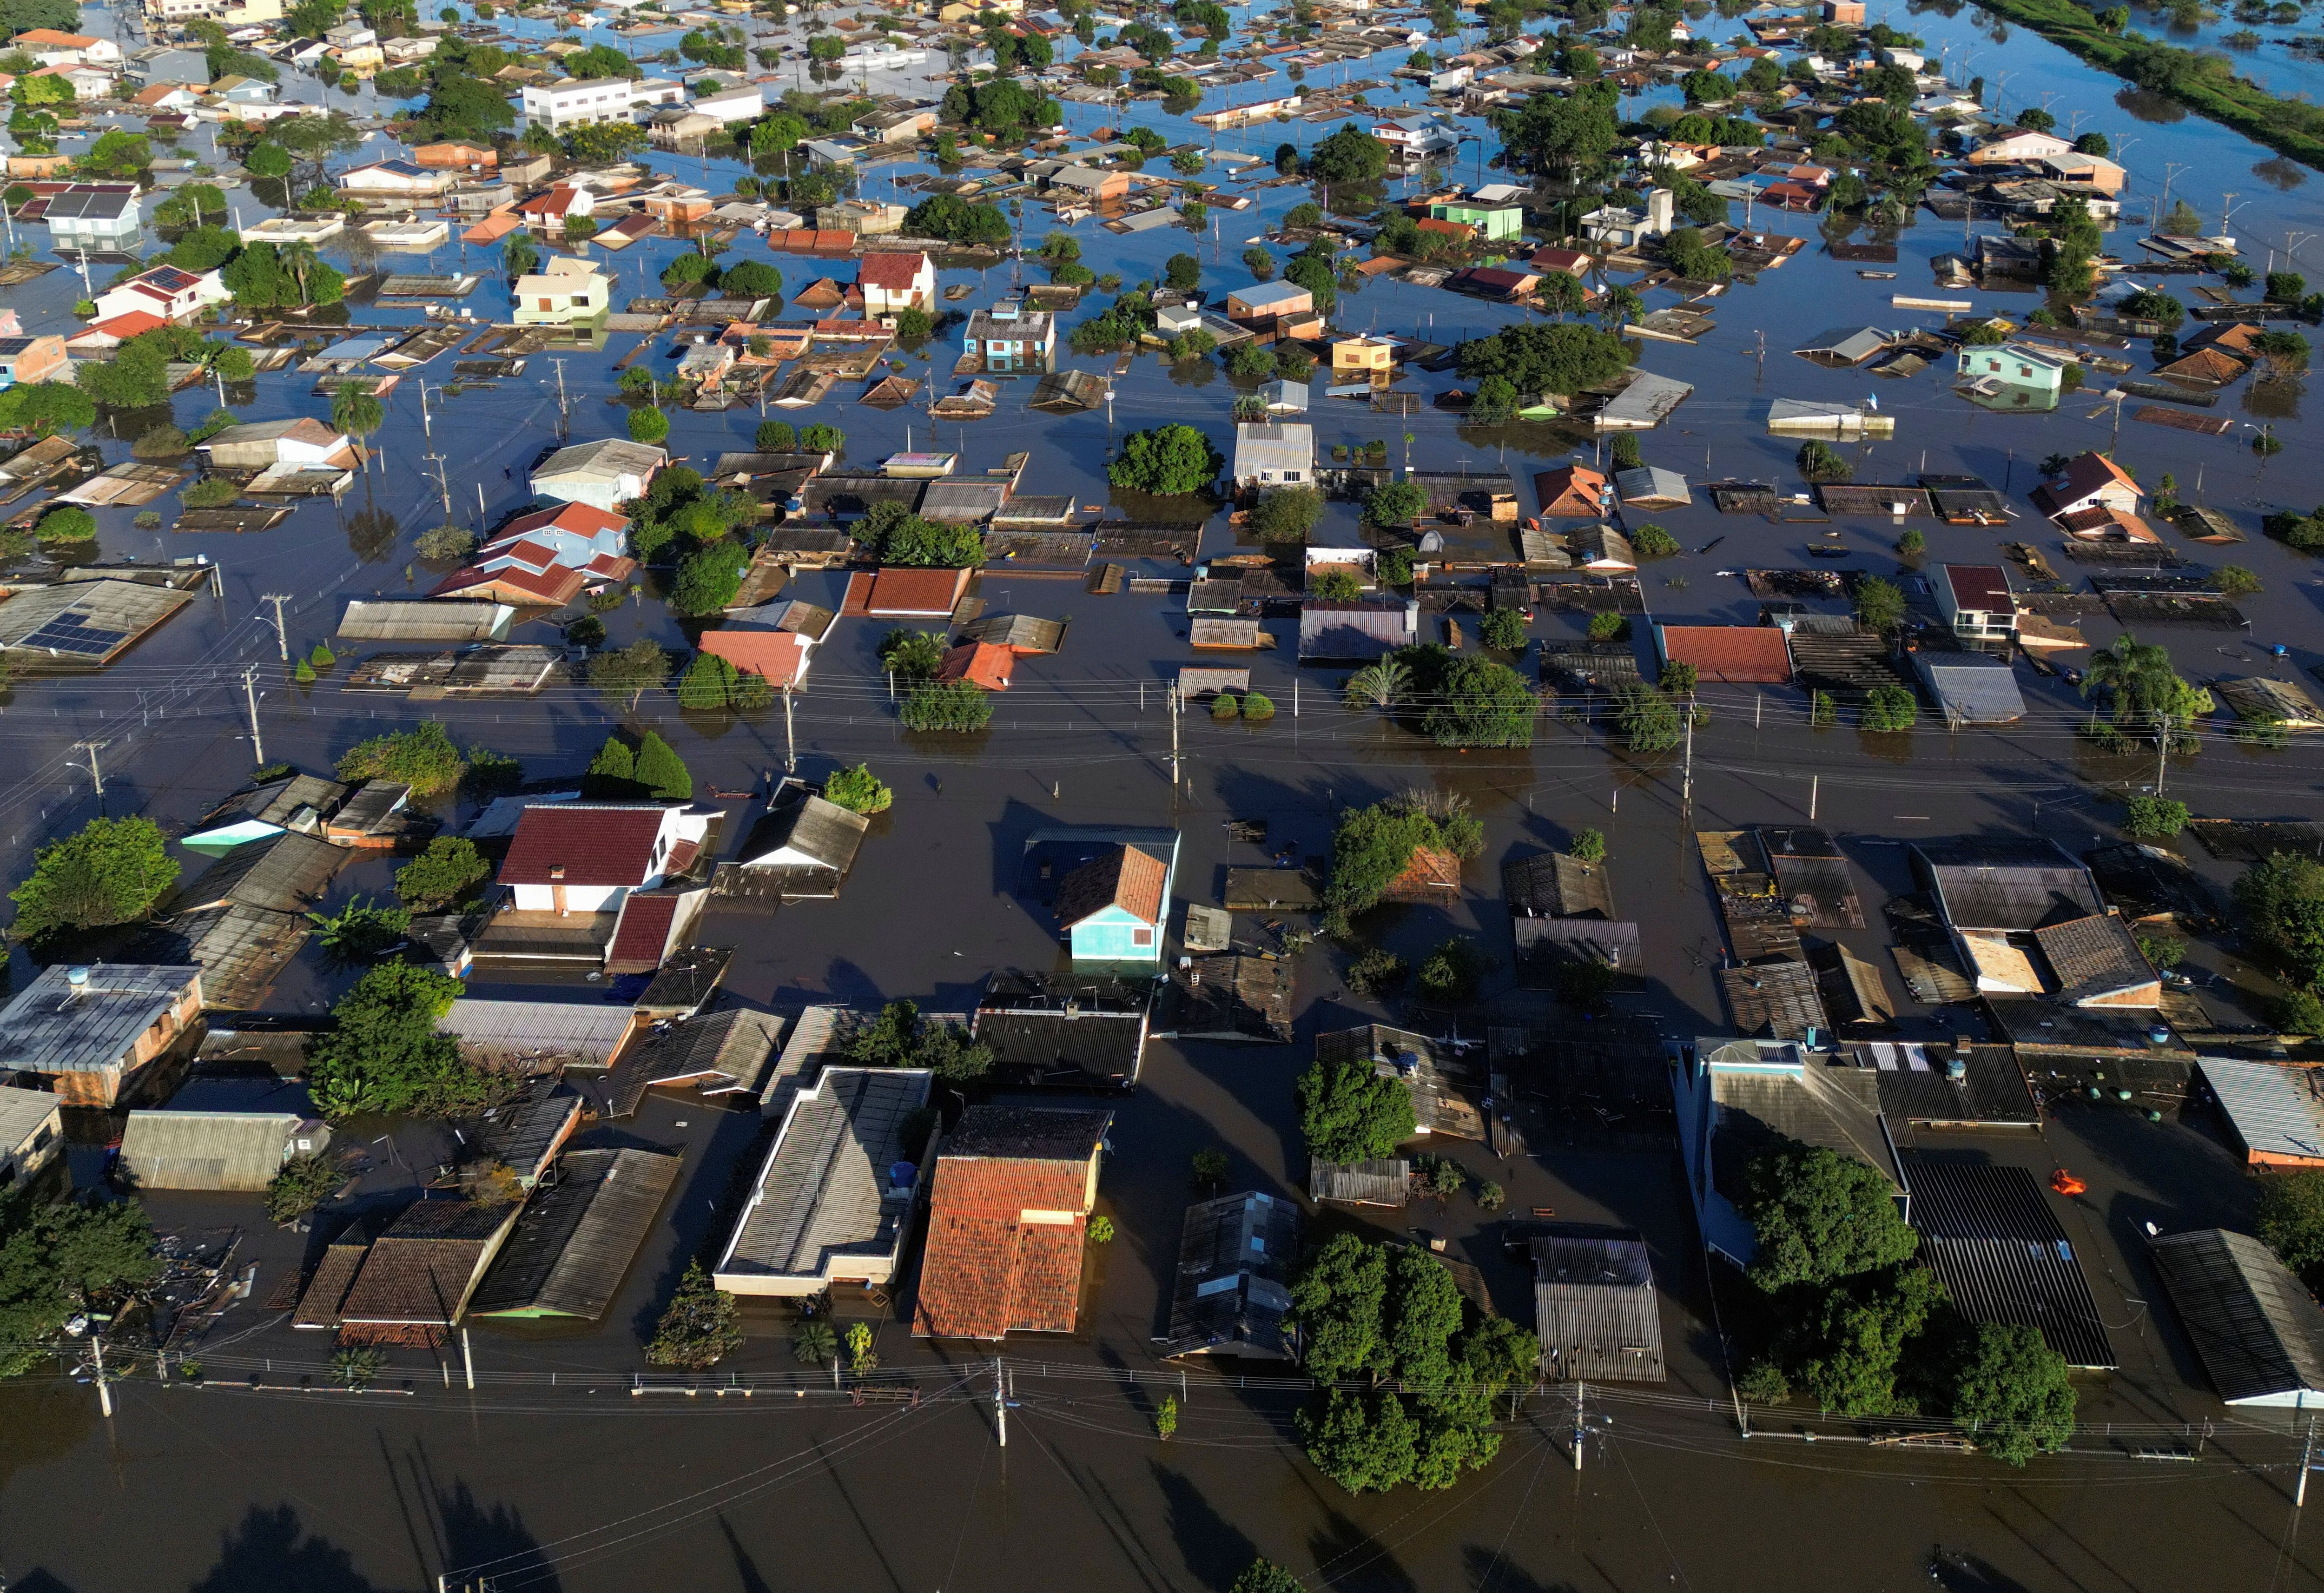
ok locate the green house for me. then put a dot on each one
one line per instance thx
(1112, 907)
(1491, 221)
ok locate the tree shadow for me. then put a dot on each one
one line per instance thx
(1346, 1557)
(1489, 1571)
(746, 1569)
(1214, 1549)
(473, 1536)
(272, 1553)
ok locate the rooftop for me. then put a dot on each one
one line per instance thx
(2259, 1334)
(62, 1024)
(580, 843)
(578, 1234)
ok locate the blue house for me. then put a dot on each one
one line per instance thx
(1112, 907)
(1011, 338)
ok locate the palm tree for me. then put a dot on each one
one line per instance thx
(1619, 306)
(2134, 675)
(1380, 686)
(356, 411)
(298, 258)
(813, 1343)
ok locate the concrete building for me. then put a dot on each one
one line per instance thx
(602, 474)
(893, 282)
(1009, 337)
(1009, 1222)
(87, 1031)
(585, 857)
(1279, 454)
(563, 291)
(1112, 907)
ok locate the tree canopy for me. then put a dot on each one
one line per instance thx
(2012, 1395)
(897, 536)
(1348, 155)
(1563, 357)
(900, 1037)
(1168, 461)
(956, 221)
(1348, 1113)
(423, 758)
(1370, 846)
(1818, 1215)
(383, 1054)
(59, 1259)
(109, 871)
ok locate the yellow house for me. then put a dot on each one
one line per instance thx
(1362, 356)
(561, 292)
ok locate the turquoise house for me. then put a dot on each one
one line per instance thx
(1112, 909)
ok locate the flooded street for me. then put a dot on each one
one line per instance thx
(550, 1473)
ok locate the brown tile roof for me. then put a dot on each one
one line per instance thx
(1730, 653)
(988, 1271)
(583, 844)
(551, 588)
(891, 271)
(642, 932)
(986, 663)
(1570, 490)
(907, 592)
(581, 519)
(2211, 365)
(1126, 876)
(2094, 956)
(420, 1270)
(2089, 472)
(1431, 872)
(779, 655)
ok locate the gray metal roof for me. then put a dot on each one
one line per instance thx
(2274, 1112)
(1651, 483)
(1971, 689)
(1596, 1309)
(284, 873)
(1990, 1234)
(1361, 1183)
(1777, 999)
(426, 619)
(824, 1191)
(22, 1113)
(1236, 1255)
(1917, 1086)
(1612, 943)
(820, 833)
(1854, 344)
(85, 621)
(573, 1246)
(2006, 882)
(239, 948)
(214, 1150)
(1355, 631)
(602, 460)
(1281, 447)
(2259, 1334)
(537, 1031)
(1647, 400)
(56, 1027)
(1557, 885)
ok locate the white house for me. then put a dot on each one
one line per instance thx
(587, 857)
(732, 104)
(1275, 454)
(395, 183)
(166, 292)
(1626, 226)
(575, 537)
(892, 283)
(564, 290)
(87, 215)
(601, 473)
(262, 444)
(1413, 138)
(54, 48)
(576, 101)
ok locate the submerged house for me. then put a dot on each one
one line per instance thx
(578, 1235)
(86, 1032)
(1596, 1311)
(166, 1148)
(1009, 1222)
(1112, 907)
(1236, 1258)
(585, 857)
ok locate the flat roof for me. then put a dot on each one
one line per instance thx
(60, 1026)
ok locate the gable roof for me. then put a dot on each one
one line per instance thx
(1596, 1308)
(987, 1271)
(1125, 876)
(2260, 1335)
(583, 520)
(891, 273)
(1745, 653)
(987, 663)
(55, 1026)
(583, 844)
(2089, 472)
(574, 1242)
(780, 656)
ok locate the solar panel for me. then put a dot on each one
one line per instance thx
(71, 632)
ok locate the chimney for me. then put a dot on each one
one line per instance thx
(557, 870)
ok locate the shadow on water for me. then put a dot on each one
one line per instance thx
(1348, 1556)
(272, 1553)
(498, 1536)
(1214, 1549)
(1966, 1573)
(1489, 1571)
(746, 1570)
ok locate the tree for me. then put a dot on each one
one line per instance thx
(1649, 721)
(2291, 1220)
(2012, 1396)
(1264, 1576)
(857, 789)
(1452, 973)
(1182, 272)
(1348, 1113)
(956, 220)
(1562, 357)
(1890, 708)
(897, 535)
(1818, 461)
(1167, 461)
(2154, 818)
(109, 871)
(268, 159)
(1286, 514)
(1339, 1302)
(1370, 846)
(775, 436)
(356, 413)
(1315, 274)
(1379, 686)
(1335, 586)
(1481, 702)
(900, 1037)
(306, 1182)
(946, 704)
(1819, 1215)
(2281, 898)
(382, 1052)
(701, 1327)
(661, 771)
(822, 438)
(1365, 1443)
(629, 673)
(62, 1258)
(1395, 503)
(648, 425)
(424, 758)
(67, 524)
(446, 873)
(1880, 604)
(911, 655)
(45, 408)
(1850, 1342)
(444, 543)
(709, 578)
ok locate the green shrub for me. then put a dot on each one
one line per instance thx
(1452, 973)
(1889, 708)
(1256, 709)
(1651, 541)
(857, 789)
(1378, 971)
(947, 705)
(2154, 818)
(1588, 845)
(1609, 627)
(1223, 707)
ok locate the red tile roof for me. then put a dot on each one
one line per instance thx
(583, 844)
(894, 273)
(988, 664)
(986, 1270)
(1125, 876)
(128, 324)
(1983, 588)
(582, 519)
(779, 655)
(1570, 490)
(550, 588)
(643, 931)
(1750, 654)
(909, 592)
(1432, 873)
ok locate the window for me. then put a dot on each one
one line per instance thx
(1141, 937)
(1291, 475)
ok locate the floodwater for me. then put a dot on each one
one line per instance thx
(577, 1483)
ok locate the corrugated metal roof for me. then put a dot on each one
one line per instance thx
(1990, 1233)
(1235, 1260)
(1596, 1308)
(56, 1027)
(580, 1231)
(1971, 689)
(2259, 1334)
(2006, 882)
(214, 1150)
(2274, 1112)
(538, 1031)
(1361, 1183)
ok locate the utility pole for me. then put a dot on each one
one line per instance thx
(96, 775)
(282, 635)
(1000, 1405)
(105, 1391)
(790, 736)
(1815, 783)
(443, 483)
(250, 692)
(1686, 778)
(1581, 1396)
(2307, 1458)
(1177, 697)
(560, 396)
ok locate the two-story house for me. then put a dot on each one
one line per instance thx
(587, 857)
(1009, 337)
(1976, 600)
(893, 282)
